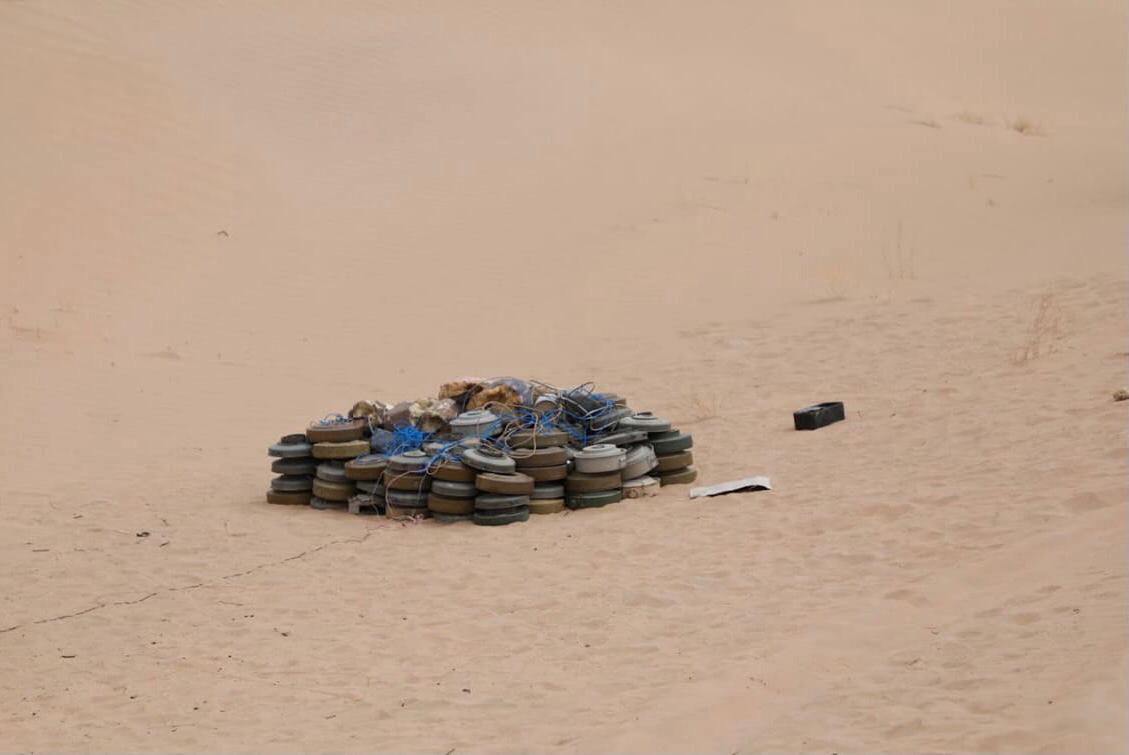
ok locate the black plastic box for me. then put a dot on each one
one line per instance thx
(819, 415)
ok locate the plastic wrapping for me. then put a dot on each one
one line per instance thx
(510, 392)
(372, 411)
(476, 393)
(398, 415)
(433, 415)
(460, 390)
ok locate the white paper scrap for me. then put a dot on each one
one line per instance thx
(747, 484)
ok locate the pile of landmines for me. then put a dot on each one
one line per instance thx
(488, 451)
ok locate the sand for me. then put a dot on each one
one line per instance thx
(222, 220)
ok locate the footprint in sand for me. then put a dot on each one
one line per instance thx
(1082, 502)
(908, 596)
(168, 354)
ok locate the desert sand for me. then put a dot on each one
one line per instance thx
(222, 220)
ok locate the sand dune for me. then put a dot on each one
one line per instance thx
(225, 219)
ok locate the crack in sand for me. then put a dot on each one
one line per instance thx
(185, 588)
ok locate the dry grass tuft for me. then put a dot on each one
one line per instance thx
(973, 119)
(1045, 329)
(898, 260)
(927, 122)
(1025, 126)
(699, 408)
(837, 281)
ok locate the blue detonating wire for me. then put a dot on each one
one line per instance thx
(406, 438)
(448, 452)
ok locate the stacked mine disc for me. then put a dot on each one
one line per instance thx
(502, 493)
(367, 472)
(597, 476)
(335, 442)
(537, 437)
(548, 467)
(638, 462)
(672, 448)
(452, 491)
(295, 469)
(540, 452)
(637, 482)
(406, 486)
(477, 423)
